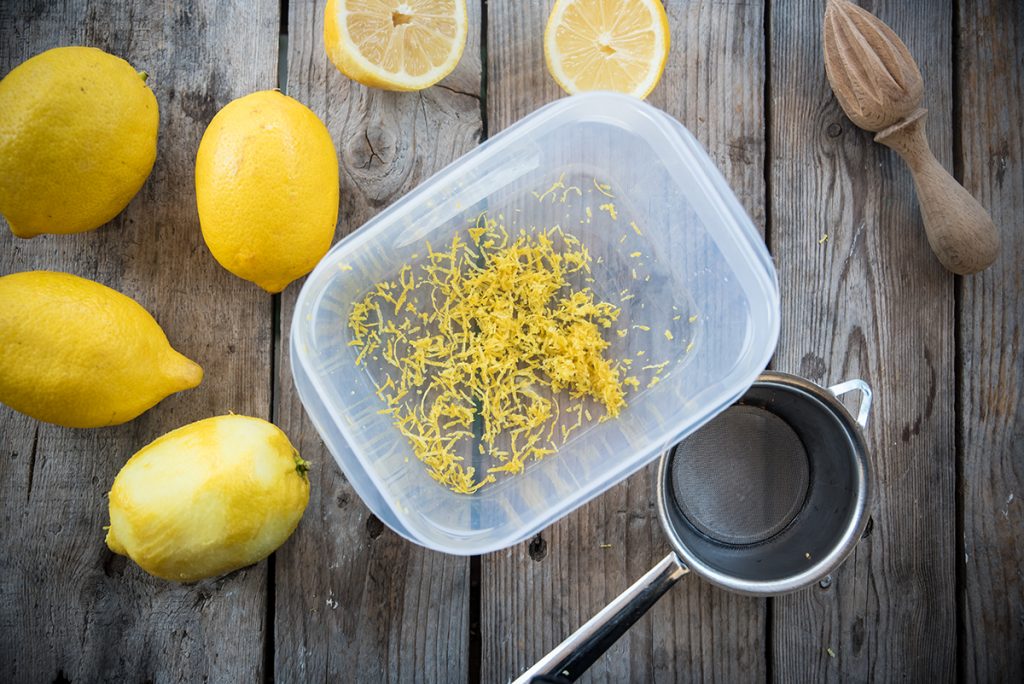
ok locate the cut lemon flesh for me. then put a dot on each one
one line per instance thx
(407, 45)
(618, 45)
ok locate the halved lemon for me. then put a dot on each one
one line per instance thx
(395, 45)
(618, 45)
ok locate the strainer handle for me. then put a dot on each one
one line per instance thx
(865, 401)
(572, 657)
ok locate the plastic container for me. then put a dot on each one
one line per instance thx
(679, 243)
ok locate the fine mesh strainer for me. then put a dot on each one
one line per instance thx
(767, 498)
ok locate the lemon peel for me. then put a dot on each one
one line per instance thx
(494, 333)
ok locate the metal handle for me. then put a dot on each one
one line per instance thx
(572, 657)
(865, 401)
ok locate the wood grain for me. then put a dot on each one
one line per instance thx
(535, 594)
(991, 426)
(354, 602)
(70, 609)
(868, 301)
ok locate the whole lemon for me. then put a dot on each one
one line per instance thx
(79, 354)
(267, 188)
(208, 498)
(77, 140)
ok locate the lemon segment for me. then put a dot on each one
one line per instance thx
(395, 45)
(208, 498)
(616, 45)
(267, 189)
(78, 131)
(76, 353)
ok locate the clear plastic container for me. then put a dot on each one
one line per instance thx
(698, 277)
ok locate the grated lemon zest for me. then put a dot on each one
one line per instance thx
(501, 328)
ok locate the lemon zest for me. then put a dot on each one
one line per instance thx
(501, 333)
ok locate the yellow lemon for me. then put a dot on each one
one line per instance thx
(79, 354)
(208, 498)
(267, 189)
(77, 140)
(395, 44)
(618, 45)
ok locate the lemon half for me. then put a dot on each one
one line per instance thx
(407, 45)
(617, 45)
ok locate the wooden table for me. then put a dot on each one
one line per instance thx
(935, 590)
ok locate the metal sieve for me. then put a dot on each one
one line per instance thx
(767, 498)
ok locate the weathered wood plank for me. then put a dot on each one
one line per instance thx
(871, 301)
(353, 600)
(991, 427)
(68, 607)
(535, 594)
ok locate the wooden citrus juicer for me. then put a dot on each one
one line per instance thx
(879, 86)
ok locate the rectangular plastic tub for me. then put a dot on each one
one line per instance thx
(675, 251)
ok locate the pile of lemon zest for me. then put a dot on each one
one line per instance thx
(603, 188)
(610, 208)
(500, 321)
(668, 335)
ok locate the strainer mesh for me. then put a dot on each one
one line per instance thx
(742, 478)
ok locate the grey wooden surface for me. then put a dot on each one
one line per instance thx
(935, 591)
(870, 302)
(990, 375)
